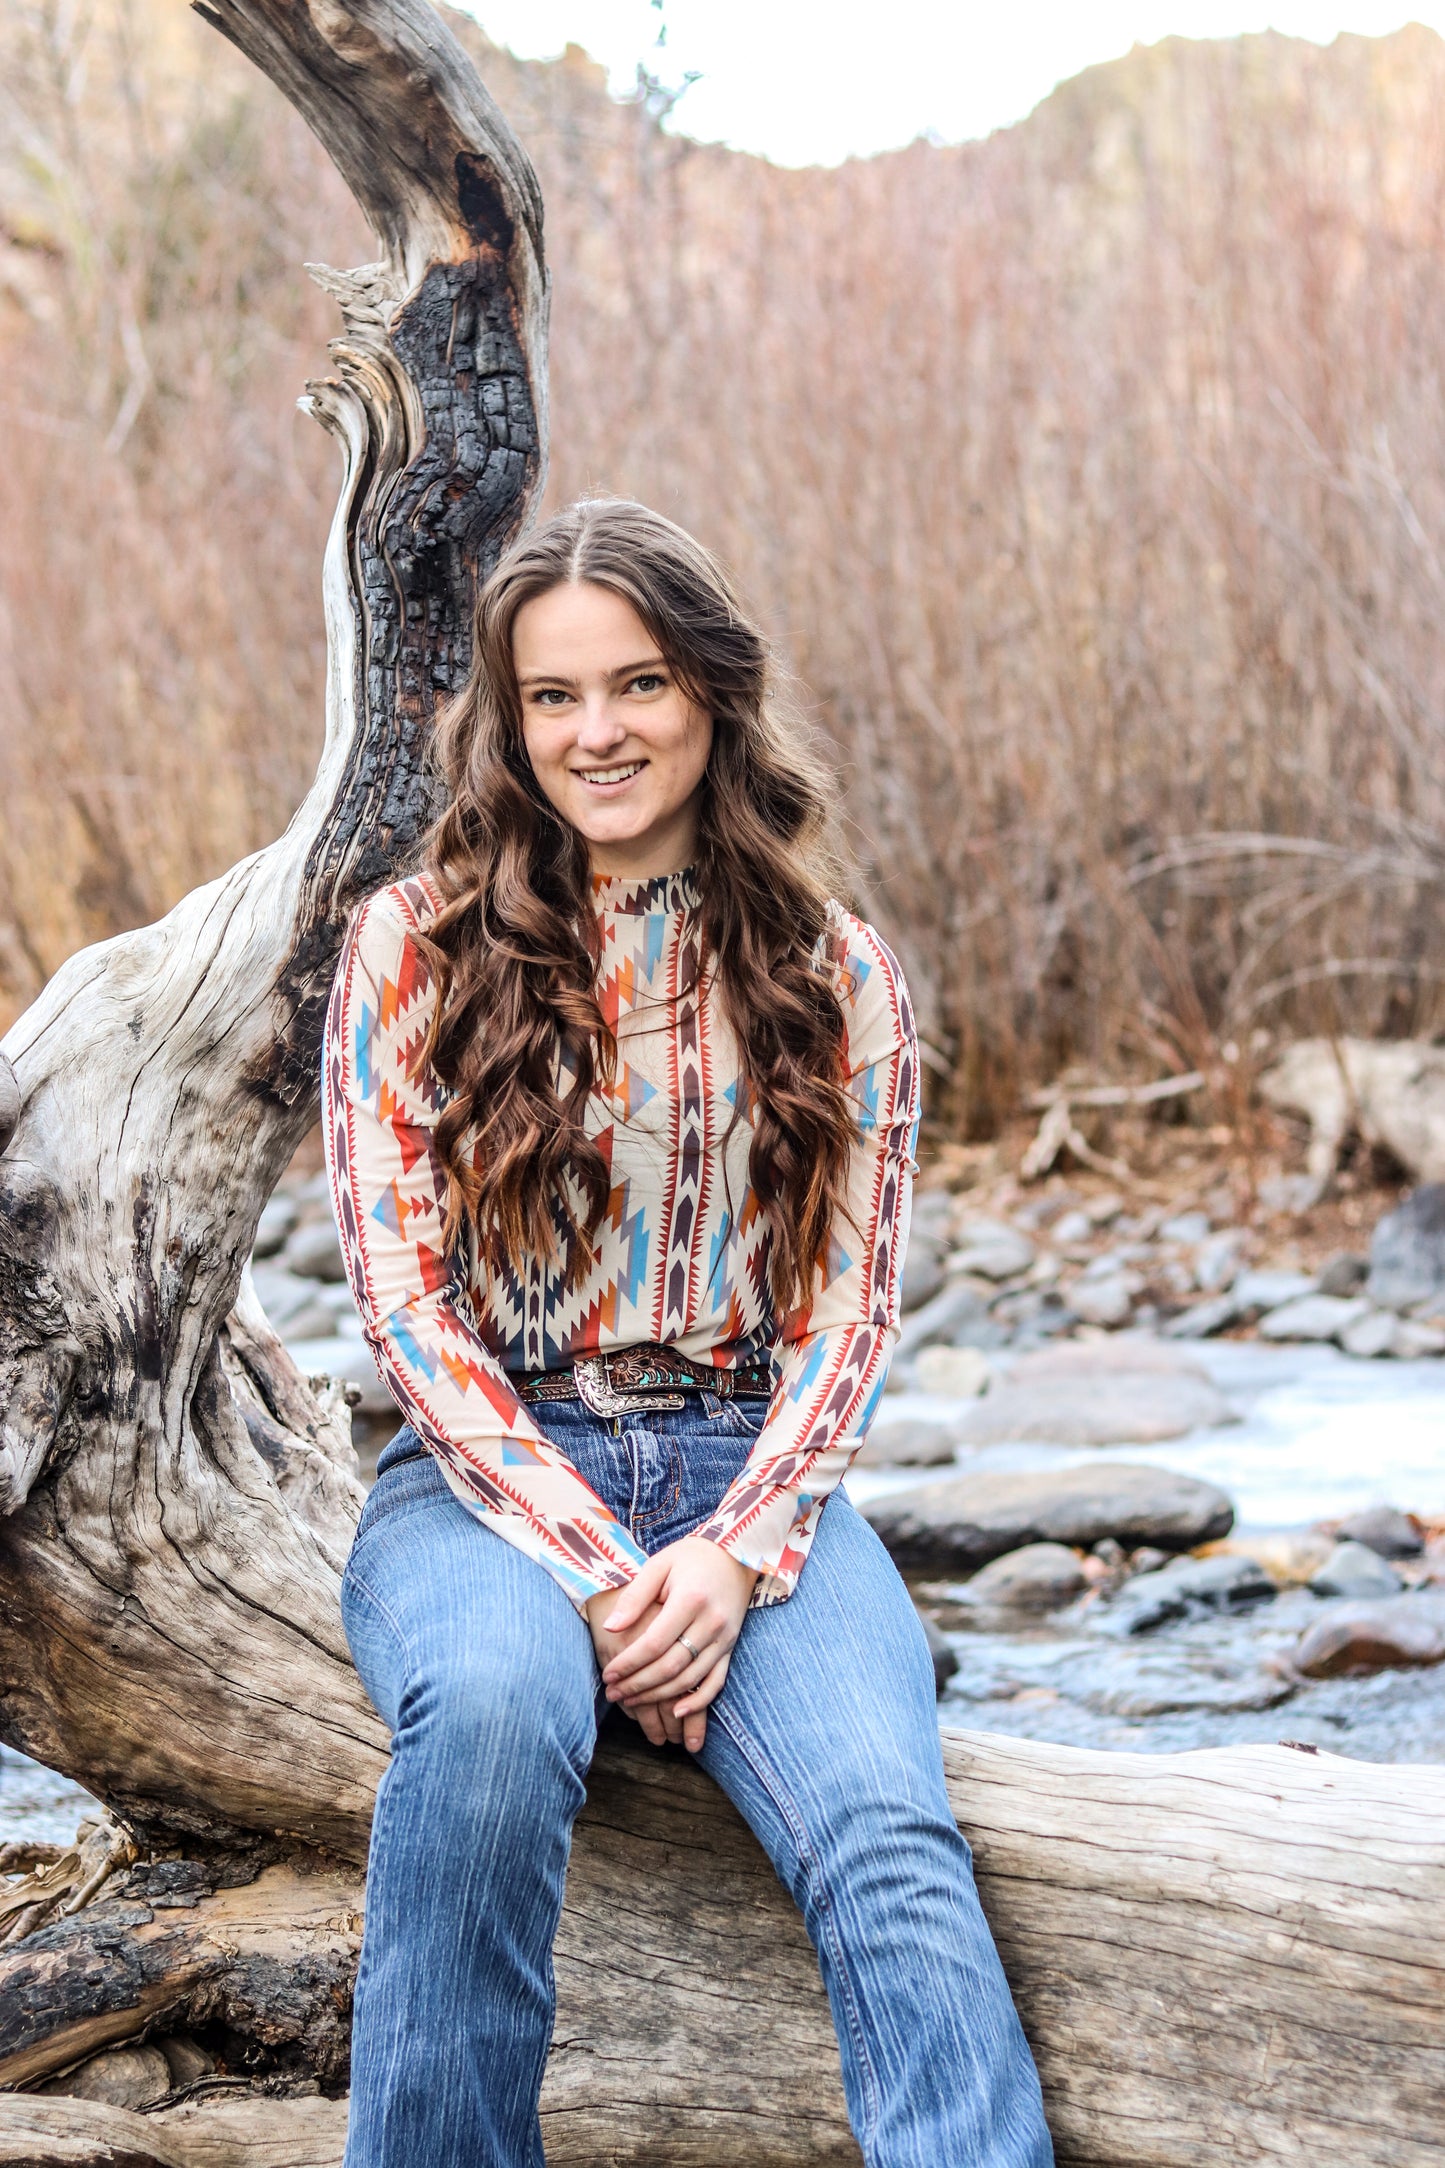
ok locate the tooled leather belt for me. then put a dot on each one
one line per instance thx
(635, 1378)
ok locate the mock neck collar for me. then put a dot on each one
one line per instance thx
(634, 898)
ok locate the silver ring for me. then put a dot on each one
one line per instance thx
(692, 1652)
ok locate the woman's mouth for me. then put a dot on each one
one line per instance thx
(611, 778)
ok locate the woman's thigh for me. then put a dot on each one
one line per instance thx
(449, 1623)
(826, 1732)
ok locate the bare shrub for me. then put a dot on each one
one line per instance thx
(1093, 478)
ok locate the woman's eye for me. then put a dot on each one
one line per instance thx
(550, 696)
(648, 682)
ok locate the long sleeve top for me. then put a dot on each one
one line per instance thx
(682, 1251)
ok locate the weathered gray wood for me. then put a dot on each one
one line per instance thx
(1223, 1960)
(177, 1505)
(252, 2133)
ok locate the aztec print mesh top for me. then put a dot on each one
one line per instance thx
(682, 1251)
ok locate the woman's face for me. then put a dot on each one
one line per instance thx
(615, 743)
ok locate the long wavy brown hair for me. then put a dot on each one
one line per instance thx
(518, 1036)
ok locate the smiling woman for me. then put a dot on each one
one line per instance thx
(621, 1107)
(614, 740)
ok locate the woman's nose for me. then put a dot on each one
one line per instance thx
(600, 727)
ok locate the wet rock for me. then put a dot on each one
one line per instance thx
(1407, 1251)
(1107, 1301)
(278, 1217)
(128, 2077)
(961, 1524)
(1390, 1534)
(957, 1373)
(1187, 1588)
(314, 1252)
(1313, 1317)
(1088, 1405)
(1353, 1569)
(1414, 1338)
(1344, 1274)
(992, 1249)
(922, 1273)
(907, 1442)
(1039, 1577)
(1395, 1634)
(945, 1662)
(958, 1317)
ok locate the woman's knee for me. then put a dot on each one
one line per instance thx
(509, 1719)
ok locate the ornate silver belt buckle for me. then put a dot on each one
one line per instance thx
(597, 1392)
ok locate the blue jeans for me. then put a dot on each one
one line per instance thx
(825, 1738)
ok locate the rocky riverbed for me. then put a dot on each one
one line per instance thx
(1118, 1399)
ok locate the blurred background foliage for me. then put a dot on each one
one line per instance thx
(1092, 479)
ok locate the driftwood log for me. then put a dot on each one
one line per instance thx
(1220, 1958)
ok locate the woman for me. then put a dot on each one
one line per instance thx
(619, 1112)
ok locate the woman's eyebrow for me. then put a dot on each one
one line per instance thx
(559, 677)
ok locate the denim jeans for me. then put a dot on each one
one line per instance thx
(825, 1738)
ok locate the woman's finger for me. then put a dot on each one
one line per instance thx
(693, 1615)
(694, 1731)
(678, 1669)
(653, 1727)
(642, 1590)
(702, 1696)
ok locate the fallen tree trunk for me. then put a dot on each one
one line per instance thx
(1220, 1958)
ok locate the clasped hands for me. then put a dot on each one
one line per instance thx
(665, 1641)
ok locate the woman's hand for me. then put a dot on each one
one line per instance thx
(672, 1632)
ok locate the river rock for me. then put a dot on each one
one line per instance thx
(992, 1249)
(1216, 1261)
(278, 1217)
(1345, 1274)
(1188, 1227)
(1107, 1301)
(1203, 1319)
(961, 1524)
(1313, 1317)
(1269, 1289)
(922, 1275)
(1353, 1569)
(955, 1373)
(957, 1317)
(903, 1441)
(314, 1252)
(295, 1307)
(1407, 1251)
(1093, 1404)
(1039, 1577)
(1395, 1634)
(1187, 1588)
(1384, 1530)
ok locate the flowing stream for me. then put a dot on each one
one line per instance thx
(1322, 1435)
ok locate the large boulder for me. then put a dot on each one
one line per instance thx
(1407, 1251)
(959, 1525)
(1121, 1392)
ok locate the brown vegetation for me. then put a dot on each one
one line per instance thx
(1093, 478)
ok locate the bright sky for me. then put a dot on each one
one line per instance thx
(814, 81)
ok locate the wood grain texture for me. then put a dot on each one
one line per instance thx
(1223, 1960)
(55, 2133)
(177, 1505)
